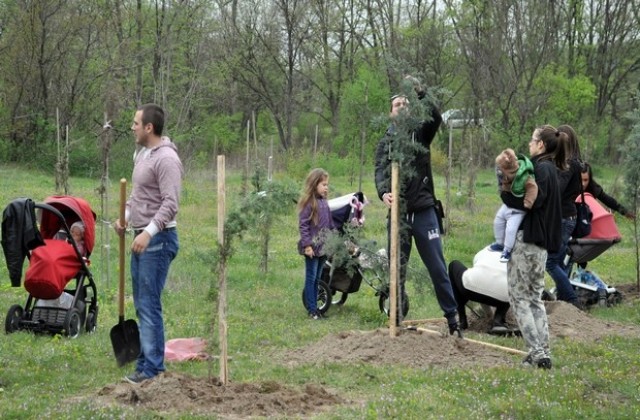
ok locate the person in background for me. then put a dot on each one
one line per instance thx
(591, 186)
(151, 211)
(419, 219)
(540, 232)
(485, 282)
(314, 222)
(568, 165)
(515, 175)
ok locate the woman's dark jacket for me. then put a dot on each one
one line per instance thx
(570, 184)
(418, 189)
(542, 224)
(596, 190)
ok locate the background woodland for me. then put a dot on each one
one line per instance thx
(308, 75)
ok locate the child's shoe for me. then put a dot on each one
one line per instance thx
(496, 247)
(505, 257)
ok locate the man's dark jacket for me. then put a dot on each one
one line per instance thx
(20, 234)
(417, 190)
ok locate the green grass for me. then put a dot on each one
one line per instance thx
(44, 376)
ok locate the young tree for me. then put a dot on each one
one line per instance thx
(632, 178)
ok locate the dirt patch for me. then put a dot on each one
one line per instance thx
(173, 392)
(178, 393)
(629, 291)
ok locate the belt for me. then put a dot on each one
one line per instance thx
(137, 232)
(572, 217)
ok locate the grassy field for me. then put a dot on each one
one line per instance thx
(43, 376)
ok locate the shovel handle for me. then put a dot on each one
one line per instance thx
(123, 223)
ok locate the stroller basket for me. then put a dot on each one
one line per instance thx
(49, 316)
(340, 279)
(587, 249)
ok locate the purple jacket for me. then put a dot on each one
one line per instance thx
(310, 233)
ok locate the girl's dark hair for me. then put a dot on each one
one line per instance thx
(574, 146)
(555, 145)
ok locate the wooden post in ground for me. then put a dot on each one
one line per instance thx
(222, 280)
(394, 270)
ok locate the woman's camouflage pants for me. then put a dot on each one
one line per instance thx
(525, 274)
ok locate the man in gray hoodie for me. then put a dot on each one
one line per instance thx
(151, 212)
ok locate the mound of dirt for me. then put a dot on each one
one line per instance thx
(567, 321)
(416, 349)
(173, 392)
(428, 346)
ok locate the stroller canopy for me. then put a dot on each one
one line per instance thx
(603, 225)
(604, 234)
(73, 209)
(348, 208)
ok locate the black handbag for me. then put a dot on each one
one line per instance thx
(583, 218)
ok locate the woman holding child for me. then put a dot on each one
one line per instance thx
(539, 234)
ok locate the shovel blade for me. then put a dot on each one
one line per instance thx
(125, 340)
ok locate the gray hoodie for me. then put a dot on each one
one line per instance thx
(157, 181)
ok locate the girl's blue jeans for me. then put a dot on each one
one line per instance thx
(312, 276)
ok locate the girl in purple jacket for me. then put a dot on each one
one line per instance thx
(314, 221)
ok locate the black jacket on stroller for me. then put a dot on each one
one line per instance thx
(20, 234)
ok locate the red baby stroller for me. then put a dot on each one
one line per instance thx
(604, 234)
(54, 259)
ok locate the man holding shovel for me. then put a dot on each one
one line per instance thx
(151, 211)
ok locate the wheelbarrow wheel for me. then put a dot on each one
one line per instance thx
(341, 300)
(12, 322)
(385, 303)
(324, 298)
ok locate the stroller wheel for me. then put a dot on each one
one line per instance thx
(385, 303)
(72, 323)
(92, 320)
(12, 322)
(341, 300)
(324, 297)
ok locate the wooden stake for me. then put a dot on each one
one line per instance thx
(222, 281)
(394, 249)
(493, 346)
(422, 321)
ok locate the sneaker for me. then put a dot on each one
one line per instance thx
(505, 257)
(136, 378)
(496, 247)
(454, 328)
(315, 315)
(544, 363)
(464, 323)
(499, 329)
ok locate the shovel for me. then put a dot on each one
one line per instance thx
(124, 336)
